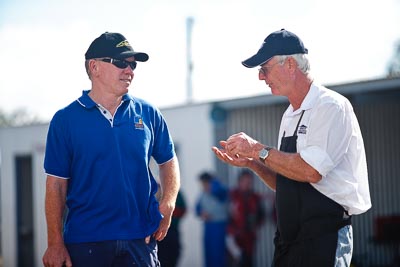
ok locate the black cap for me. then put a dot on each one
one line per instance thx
(113, 45)
(278, 43)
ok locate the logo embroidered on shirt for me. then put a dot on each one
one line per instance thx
(302, 129)
(138, 122)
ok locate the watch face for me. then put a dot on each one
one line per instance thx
(263, 153)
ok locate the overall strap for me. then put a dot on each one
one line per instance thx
(298, 123)
(297, 126)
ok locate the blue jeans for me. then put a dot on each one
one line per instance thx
(114, 253)
(214, 244)
(344, 248)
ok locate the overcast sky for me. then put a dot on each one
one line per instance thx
(43, 42)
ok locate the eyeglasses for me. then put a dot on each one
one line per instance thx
(120, 63)
(265, 69)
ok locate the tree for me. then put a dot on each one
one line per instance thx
(394, 64)
(18, 117)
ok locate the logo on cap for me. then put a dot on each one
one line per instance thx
(123, 43)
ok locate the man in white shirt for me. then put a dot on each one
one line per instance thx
(319, 172)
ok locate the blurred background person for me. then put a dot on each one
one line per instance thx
(212, 208)
(246, 215)
(169, 249)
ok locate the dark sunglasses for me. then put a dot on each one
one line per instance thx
(122, 64)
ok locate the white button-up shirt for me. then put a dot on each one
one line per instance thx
(330, 140)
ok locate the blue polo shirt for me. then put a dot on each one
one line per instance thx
(111, 190)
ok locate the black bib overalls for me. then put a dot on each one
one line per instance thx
(308, 221)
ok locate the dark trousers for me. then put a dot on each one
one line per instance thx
(116, 253)
(169, 249)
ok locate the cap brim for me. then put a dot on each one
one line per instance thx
(256, 60)
(139, 56)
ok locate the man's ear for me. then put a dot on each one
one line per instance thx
(292, 64)
(93, 67)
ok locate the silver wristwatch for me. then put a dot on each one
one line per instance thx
(263, 154)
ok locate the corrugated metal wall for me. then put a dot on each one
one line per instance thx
(379, 118)
(261, 123)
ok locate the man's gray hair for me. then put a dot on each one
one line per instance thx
(87, 68)
(301, 59)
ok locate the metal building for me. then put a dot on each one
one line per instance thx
(377, 106)
(197, 127)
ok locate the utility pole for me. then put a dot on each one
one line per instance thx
(189, 62)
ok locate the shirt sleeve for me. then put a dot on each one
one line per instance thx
(57, 157)
(163, 150)
(328, 136)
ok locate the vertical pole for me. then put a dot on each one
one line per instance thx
(189, 63)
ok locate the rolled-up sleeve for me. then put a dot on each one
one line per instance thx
(318, 159)
(328, 138)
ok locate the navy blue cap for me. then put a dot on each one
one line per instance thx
(113, 45)
(278, 43)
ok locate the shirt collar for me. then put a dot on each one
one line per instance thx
(308, 102)
(311, 98)
(88, 103)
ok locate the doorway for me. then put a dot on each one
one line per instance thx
(24, 176)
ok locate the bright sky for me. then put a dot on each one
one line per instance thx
(43, 42)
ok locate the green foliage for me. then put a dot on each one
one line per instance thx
(18, 117)
(394, 64)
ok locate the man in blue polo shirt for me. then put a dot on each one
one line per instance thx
(101, 208)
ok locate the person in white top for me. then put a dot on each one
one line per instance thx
(319, 172)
